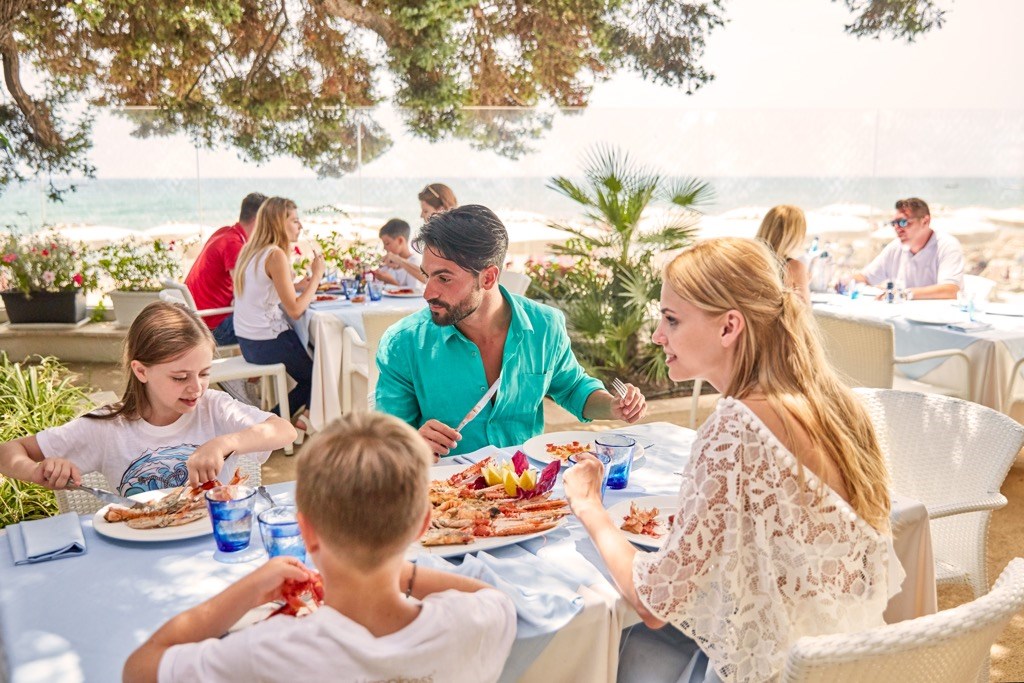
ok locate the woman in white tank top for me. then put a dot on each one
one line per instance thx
(265, 292)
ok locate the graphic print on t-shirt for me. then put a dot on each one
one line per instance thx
(163, 468)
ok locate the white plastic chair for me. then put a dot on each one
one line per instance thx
(953, 456)
(516, 283)
(358, 357)
(949, 647)
(178, 292)
(83, 503)
(863, 352)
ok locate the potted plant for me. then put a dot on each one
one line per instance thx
(43, 278)
(137, 270)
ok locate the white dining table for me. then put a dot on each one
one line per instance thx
(78, 619)
(321, 329)
(992, 351)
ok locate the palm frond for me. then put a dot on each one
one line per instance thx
(690, 193)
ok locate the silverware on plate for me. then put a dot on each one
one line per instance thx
(106, 496)
(262, 490)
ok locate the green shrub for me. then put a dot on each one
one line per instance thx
(33, 397)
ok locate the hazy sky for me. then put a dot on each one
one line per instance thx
(793, 95)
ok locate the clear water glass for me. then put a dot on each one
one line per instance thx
(279, 529)
(375, 289)
(619, 448)
(231, 509)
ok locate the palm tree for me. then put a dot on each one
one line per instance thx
(609, 294)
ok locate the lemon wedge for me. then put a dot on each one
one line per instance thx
(492, 476)
(511, 483)
(528, 480)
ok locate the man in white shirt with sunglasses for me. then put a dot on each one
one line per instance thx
(926, 263)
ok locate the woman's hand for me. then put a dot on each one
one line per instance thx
(319, 267)
(582, 482)
(56, 473)
(632, 407)
(206, 462)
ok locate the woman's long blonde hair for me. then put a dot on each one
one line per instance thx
(784, 229)
(269, 232)
(160, 333)
(779, 354)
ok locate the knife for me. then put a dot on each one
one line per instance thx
(480, 405)
(106, 496)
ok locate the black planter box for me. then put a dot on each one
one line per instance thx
(45, 307)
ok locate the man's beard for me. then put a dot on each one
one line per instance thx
(453, 315)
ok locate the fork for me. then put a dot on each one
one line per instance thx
(619, 387)
(262, 490)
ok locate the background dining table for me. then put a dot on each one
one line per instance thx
(78, 619)
(992, 351)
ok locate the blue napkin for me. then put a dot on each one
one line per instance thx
(543, 603)
(51, 538)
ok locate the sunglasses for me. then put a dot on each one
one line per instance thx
(899, 223)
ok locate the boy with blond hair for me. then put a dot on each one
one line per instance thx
(361, 493)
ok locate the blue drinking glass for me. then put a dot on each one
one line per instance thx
(279, 529)
(375, 290)
(619, 449)
(231, 515)
(605, 462)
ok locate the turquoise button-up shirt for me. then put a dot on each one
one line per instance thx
(433, 372)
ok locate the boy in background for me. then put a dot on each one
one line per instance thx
(361, 493)
(401, 265)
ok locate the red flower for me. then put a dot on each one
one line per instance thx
(53, 245)
(77, 278)
(45, 253)
(298, 252)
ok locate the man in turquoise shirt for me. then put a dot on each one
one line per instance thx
(435, 365)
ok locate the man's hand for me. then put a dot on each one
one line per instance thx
(440, 437)
(631, 408)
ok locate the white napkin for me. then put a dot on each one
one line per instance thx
(51, 538)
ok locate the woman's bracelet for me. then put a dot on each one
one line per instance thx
(408, 591)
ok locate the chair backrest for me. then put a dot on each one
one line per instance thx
(177, 290)
(979, 287)
(949, 647)
(941, 449)
(861, 351)
(517, 283)
(375, 323)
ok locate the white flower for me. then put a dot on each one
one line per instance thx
(48, 277)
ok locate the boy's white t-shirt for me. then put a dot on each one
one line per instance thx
(457, 637)
(136, 456)
(404, 278)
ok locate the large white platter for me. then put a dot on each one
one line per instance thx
(536, 448)
(934, 317)
(123, 532)
(667, 505)
(399, 295)
(997, 308)
(488, 543)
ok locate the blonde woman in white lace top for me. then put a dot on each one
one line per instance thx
(783, 525)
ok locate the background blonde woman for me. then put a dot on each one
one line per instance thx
(784, 229)
(783, 529)
(435, 198)
(265, 291)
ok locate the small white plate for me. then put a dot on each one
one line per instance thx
(487, 543)
(667, 505)
(935, 317)
(995, 308)
(123, 532)
(536, 448)
(401, 295)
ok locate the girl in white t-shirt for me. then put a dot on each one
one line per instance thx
(167, 429)
(265, 292)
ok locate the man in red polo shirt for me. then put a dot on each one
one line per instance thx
(210, 278)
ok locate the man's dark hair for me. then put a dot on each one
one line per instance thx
(914, 206)
(250, 206)
(471, 236)
(395, 227)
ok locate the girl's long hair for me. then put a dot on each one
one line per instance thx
(269, 232)
(784, 229)
(780, 355)
(161, 333)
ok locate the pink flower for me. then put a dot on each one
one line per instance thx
(10, 258)
(48, 277)
(77, 279)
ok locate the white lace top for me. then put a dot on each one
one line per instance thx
(755, 560)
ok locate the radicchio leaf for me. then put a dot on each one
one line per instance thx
(520, 463)
(478, 483)
(545, 482)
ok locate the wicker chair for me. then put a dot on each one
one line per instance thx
(949, 647)
(863, 352)
(86, 504)
(1011, 387)
(952, 456)
(358, 357)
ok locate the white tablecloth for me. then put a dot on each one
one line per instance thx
(78, 619)
(321, 328)
(992, 352)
